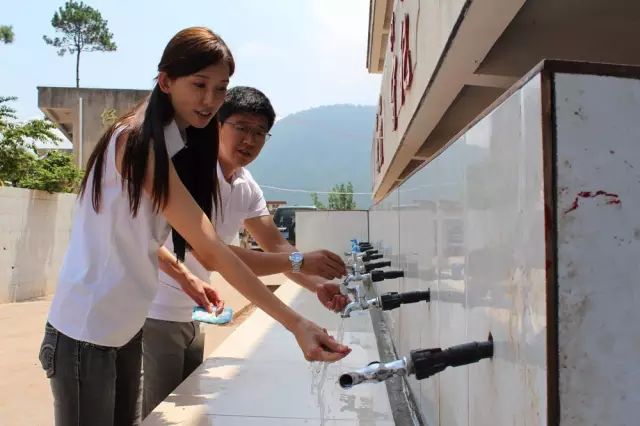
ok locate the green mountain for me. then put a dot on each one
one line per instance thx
(316, 149)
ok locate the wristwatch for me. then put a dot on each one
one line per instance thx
(296, 259)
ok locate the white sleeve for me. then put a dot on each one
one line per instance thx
(258, 206)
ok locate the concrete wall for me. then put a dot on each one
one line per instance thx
(61, 104)
(34, 233)
(330, 230)
(526, 227)
(470, 227)
(598, 247)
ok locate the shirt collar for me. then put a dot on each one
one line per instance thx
(173, 139)
(237, 178)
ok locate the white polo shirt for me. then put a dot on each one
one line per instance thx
(240, 200)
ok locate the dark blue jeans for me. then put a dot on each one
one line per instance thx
(91, 384)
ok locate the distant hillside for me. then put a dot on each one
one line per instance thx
(317, 149)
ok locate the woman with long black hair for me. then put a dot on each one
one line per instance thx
(130, 199)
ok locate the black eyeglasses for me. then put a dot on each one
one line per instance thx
(245, 131)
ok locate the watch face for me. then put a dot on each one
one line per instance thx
(296, 257)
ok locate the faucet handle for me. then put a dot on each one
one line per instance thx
(415, 296)
(427, 362)
(368, 257)
(393, 300)
(393, 274)
(378, 275)
(375, 265)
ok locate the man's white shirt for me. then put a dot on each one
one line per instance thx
(239, 200)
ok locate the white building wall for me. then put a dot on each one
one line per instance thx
(532, 211)
(330, 229)
(598, 178)
(461, 225)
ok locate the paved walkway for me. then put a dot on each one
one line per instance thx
(25, 396)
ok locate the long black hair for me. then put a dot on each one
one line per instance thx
(189, 51)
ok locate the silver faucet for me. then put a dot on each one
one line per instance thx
(356, 305)
(386, 301)
(421, 363)
(360, 304)
(357, 261)
(349, 287)
(376, 372)
(356, 264)
(352, 288)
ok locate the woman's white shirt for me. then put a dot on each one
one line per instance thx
(110, 271)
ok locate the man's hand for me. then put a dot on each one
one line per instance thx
(203, 294)
(324, 264)
(329, 295)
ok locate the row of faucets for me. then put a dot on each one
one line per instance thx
(363, 271)
(364, 267)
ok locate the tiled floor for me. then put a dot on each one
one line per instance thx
(258, 376)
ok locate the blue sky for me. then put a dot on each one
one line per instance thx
(301, 53)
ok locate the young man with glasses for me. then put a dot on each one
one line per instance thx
(172, 343)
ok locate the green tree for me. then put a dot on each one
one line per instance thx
(6, 34)
(17, 143)
(341, 197)
(334, 196)
(55, 172)
(83, 30)
(15, 164)
(316, 201)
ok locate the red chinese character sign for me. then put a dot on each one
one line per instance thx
(379, 138)
(407, 68)
(400, 73)
(392, 33)
(394, 93)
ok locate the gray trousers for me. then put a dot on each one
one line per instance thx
(92, 384)
(171, 351)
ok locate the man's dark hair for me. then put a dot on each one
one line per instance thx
(248, 100)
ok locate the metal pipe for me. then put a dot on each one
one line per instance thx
(80, 131)
(375, 372)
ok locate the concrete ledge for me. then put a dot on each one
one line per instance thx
(258, 376)
(34, 232)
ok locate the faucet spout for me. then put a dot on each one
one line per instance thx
(353, 306)
(375, 372)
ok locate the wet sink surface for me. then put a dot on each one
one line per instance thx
(259, 376)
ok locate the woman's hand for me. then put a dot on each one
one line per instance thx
(203, 294)
(316, 344)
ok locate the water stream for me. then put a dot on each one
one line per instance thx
(319, 377)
